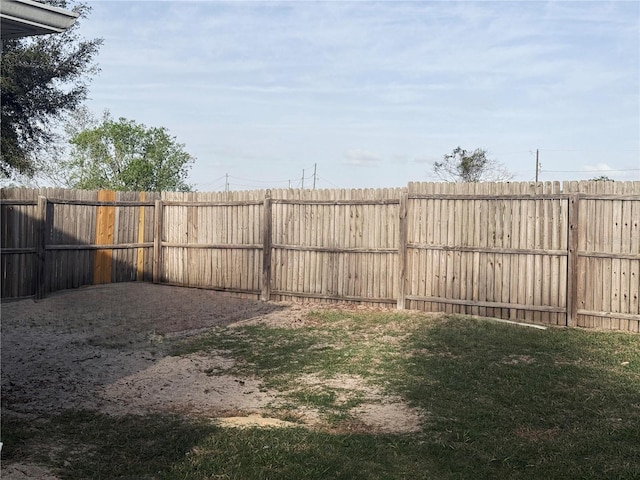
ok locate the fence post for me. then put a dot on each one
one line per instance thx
(41, 249)
(265, 294)
(157, 242)
(140, 252)
(572, 261)
(402, 250)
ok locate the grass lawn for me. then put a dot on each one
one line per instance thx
(496, 401)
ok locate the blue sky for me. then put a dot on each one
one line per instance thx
(375, 92)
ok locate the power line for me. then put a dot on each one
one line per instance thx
(327, 181)
(591, 150)
(215, 180)
(592, 171)
(258, 181)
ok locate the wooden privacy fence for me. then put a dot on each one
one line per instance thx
(54, 239)
(544, 253)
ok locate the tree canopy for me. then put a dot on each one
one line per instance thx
(125, 155)
(602, 178)
(43, 78)
(463, 166)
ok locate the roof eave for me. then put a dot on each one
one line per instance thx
(22, 18)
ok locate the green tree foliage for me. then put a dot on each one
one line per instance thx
(125, 155)
(602, 178)
(464, 166)
(43, 79)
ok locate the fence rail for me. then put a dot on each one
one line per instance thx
(543, 253)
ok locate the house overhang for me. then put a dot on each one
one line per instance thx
(24, 18)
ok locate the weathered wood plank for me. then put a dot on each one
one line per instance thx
(335, 298)
(106, 246)
(402, 252)
(485, 304)
(140, 235)
(41, 276)
(157, 242)
(105, 226)
(572, 261)
(267, 233)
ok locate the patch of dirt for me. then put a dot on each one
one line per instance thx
(296, 317)
(375, 410)
(99, 347)
(518, 360)
(105, 348)
(190, 384)
(254, 421)
(537, 434)
(390, 416)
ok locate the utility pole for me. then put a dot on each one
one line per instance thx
(226, 183)
(537, 164)
(314, 175)
(303, 179)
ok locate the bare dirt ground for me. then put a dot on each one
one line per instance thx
(104, 348)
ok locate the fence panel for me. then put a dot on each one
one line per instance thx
(213, 240)
(488, 249)
(75, 226)
(335, 245)
(18, 218)
(609, 256)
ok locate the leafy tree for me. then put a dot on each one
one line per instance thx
(125, 155)
(463, 166)
(602, 178)
(43, 79)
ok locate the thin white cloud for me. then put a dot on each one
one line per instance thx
(361, 158)
(599, 168)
